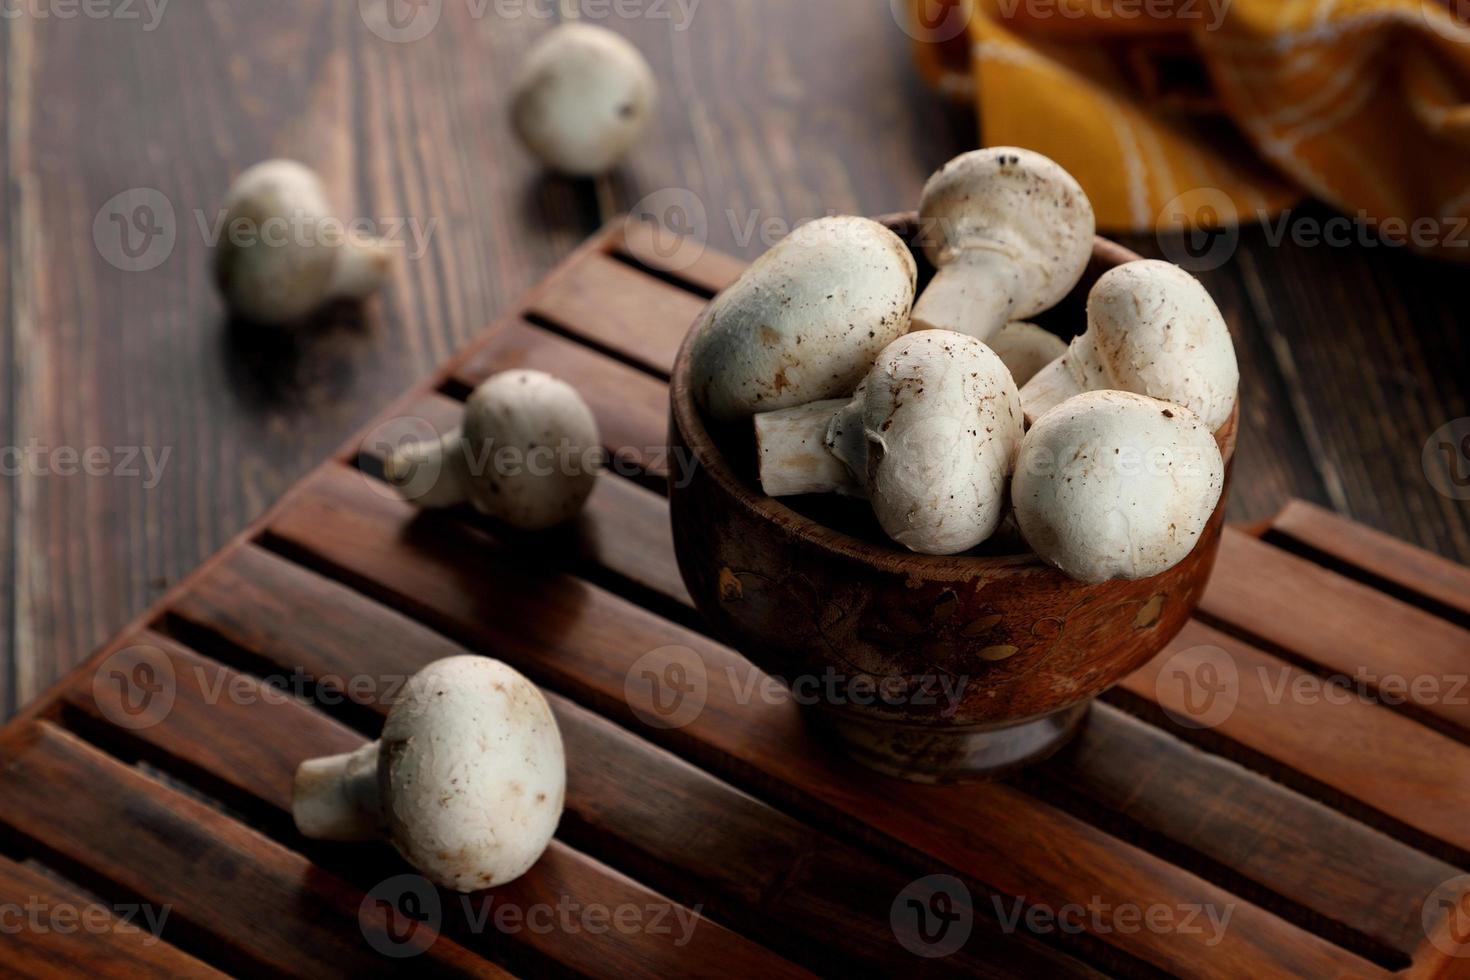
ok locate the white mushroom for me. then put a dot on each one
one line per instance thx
(283, 253)
(1010, 233)
(1152, 329)
(929, 437)
(1026, 349)
(581, 99)
(528, 454)
(467, 781)
(805, 320)
(1110, 484)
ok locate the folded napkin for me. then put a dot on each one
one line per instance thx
(1212, 112)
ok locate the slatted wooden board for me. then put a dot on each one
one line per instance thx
(160, 771)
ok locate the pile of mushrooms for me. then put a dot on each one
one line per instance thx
(951, 414)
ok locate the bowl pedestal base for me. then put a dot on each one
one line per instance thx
(936, 755)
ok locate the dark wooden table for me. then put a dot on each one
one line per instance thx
(772, 112)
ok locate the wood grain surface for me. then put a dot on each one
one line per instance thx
(772, 113)
(1325, 823)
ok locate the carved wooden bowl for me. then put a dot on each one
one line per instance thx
(932, 668)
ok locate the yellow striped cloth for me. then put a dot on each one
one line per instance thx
(1213, 111)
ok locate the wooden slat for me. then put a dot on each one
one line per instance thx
(1343, 626)
(622, 309)
(631, 407)
(1335, 867)
(680, 829)
(704, 268)
(79, 936)
(1365, 752)
(249, 901)
(576, 638)
(1374, 557)
(239, 732)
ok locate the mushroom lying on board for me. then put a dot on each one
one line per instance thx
(804, 321)
(1110, 484)
(929, 438)
(467, 781)
(527, 453)
(582, 97)
(1010, 233)
(1152, 329)
(1025, 349)
(283, 253)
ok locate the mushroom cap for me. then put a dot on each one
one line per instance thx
(943, 423)
(1018, 203)
(805, 321)
(532, 449)
(471, 773)
(1026, 348)
(1153, 329)
(1110, 484)
(268, 272)
(581, 98)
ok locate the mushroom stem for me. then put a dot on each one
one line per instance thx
(1048, 388)
(336, 797)
(362, 265)
(431, 474)
(971, 294)
(792, 445)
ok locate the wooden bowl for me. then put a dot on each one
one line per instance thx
(932, 668)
